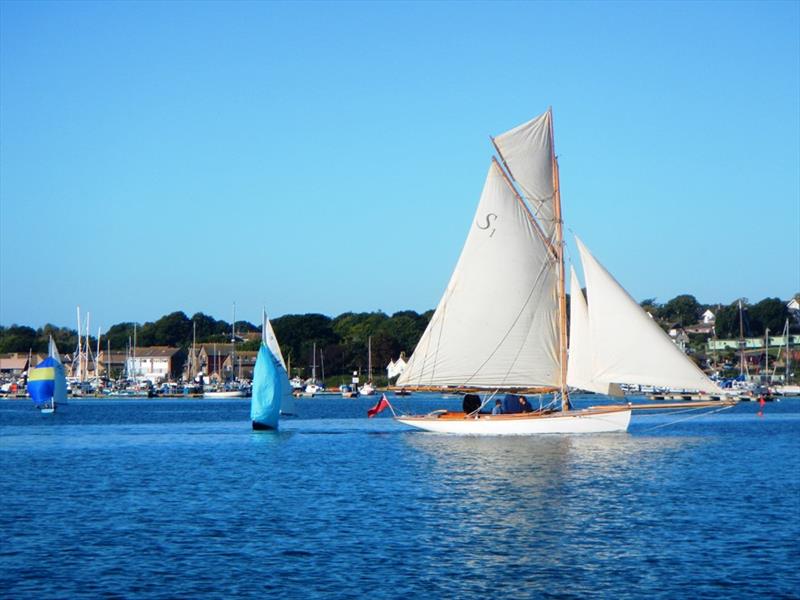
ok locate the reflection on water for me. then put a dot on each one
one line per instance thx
(548, 500)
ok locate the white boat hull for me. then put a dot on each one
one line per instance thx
(229, 394)
(603, 420)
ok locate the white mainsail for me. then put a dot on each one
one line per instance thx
(626, 345)
(497, 324)
(287, 399)
(272, 341)
(527, 152)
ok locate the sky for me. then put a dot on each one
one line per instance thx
(328, 156)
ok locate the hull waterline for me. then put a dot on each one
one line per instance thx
(262, 427)
(611, 420)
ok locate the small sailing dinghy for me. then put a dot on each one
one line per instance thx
(501, 325)
(272, 393)
(47, 383)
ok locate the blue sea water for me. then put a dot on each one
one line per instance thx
(180, 499)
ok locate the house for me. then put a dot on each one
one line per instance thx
(679, 336)
(111, 364)
(13, 365)
(708, 317)
(216, 361)
(156, 363)
(793, 306)
(242, 364)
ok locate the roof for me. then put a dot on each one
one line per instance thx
(13, 364)
(156, 352)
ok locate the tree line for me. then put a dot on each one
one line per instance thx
(342, 341)
(685, 310)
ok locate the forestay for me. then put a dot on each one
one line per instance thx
(496, 324)
(626, 345)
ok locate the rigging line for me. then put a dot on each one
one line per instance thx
(544, 266)
(439, 338)
(426, 337)
(484, 403)
(689, 417)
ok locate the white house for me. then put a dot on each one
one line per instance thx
(709, 317)
(153, 364)
(396, 367)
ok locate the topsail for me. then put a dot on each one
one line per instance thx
(527, 152)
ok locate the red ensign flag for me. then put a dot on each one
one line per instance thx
(382, 403)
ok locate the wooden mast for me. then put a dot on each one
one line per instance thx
(562, 293)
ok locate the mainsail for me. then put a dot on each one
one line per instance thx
(527, 152)
(496, 325)
(622, 344)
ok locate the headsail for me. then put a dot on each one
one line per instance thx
(580, 372)
(497, 324)
(627, 346)
(527, 152)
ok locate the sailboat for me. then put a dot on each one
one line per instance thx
(314, 386)
(368, 389)
(47, 383)
(271, 390)
(501, 327)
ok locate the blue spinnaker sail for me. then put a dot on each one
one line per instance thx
(270, 382)
(47, 384)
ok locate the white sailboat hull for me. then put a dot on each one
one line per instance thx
(600, 420)
(226, 394)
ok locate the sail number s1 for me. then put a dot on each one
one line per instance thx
(491, 217)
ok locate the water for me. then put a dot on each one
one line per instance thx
(178, 499)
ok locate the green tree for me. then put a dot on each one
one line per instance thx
(728, 320)
(119, 334)
(770, 313)
(20, 338)
(174, 329)
(683, 309)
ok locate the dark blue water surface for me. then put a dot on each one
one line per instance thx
(180, 499)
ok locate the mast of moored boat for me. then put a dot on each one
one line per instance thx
(559, 246)
(233, 344)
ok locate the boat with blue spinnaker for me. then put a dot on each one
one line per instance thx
(47, 383)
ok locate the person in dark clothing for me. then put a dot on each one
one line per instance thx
(524, 406)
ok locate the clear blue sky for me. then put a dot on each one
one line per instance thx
(326, 157)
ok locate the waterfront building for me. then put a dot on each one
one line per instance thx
(156, 363)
